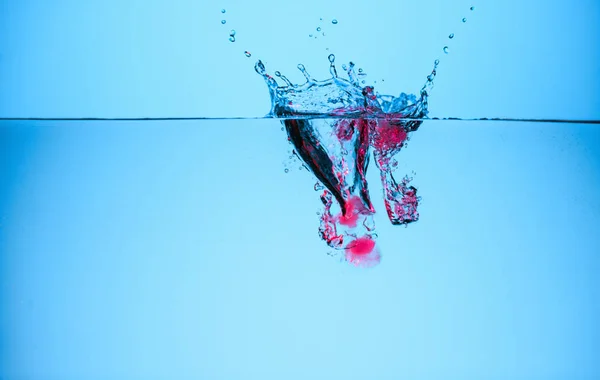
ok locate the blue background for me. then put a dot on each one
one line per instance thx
(162, 250)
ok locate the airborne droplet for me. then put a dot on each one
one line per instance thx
(223, 22)
(247, 53)
(464, 19)
(446, 49)
(319, 29)
(232, 38)
(223, 11)
(472, 8)
(451, 36)
(232, 33)
(334, 21)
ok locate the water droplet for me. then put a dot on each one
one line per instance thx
(363, 82)
(223, 11)
(319, 29)
(464, 19)
(360, 70)
(331, 58)
(277, 74)
(282, 129)
(472, 8)
(320, 18)
(451, 36)
(286, 170)
(247, 53)
(232, 38)
(310, 35)
(446, 49)
(436, 62)
(344, 66)
(223, 22)
(232, 33)
(334, 21)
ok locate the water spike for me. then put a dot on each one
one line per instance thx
(303, 70)
(352, 75)
(283, 78)
(332, 68)
(260, 68)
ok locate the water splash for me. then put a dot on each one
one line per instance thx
(337, 150)
(334, 125)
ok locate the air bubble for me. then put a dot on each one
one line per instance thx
(451, 36)
(247, 54)
(446, 49)
(334, 21)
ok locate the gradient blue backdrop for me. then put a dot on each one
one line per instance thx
(182, 250)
